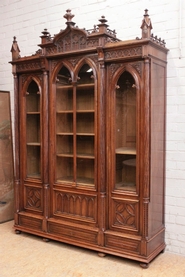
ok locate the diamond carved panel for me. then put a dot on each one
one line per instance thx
(33, 198)
(125, 214)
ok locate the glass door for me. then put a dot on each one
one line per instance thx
(75, 135)
(33, 140)
(64, 128)
(85, 131)
(125, 134)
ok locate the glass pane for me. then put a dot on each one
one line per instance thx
(85, 171)
(85, 146)
(85, 123)
(125, 133)
(64, 169)
(33, 132)
(64, 127)
(33, 128)
(85, 127)
(33, 161)
(33, 98)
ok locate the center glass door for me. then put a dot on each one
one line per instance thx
(75, 128)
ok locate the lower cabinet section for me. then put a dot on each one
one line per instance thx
(29, 221)
(123, 245)
(80, 234)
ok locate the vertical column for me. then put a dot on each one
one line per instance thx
(145, 182)
(16, 150)
(101, 149)
(45, 166)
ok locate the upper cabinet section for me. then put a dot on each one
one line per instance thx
(100, 39)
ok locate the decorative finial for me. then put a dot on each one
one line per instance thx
(146, 13)
(146, 25)
(102, 19)
(15, 50)
(45, 36)
(69, 17)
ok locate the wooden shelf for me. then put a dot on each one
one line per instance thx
(85, 156)
(128, 186)
(67, 155)
(64, 111)
(33, 143)
(130, 162)
(85, 111)
(126, 150)
(63, 86)
(34, 176)
(85, 86)
(81, 155)
(64, 134)
(33, 113)
(85, 134)
(85, 181)
(66, 179)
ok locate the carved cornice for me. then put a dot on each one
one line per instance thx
(124, 53)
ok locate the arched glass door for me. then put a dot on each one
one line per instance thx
(125, 133)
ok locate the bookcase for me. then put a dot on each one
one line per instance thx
(90, 140)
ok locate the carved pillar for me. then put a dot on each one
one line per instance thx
(16, 149)
(45, 165)
(146, 154)
(101, 152)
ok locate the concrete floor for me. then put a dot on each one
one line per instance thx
(25, 255)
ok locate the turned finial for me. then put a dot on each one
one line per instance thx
(69, 17)
(103, 26)
(146, 25)
(15, 50)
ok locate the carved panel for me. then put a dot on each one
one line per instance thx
(125, 214)
(51, 50)
(33, 198)
(114, 67)
(35, 65)
(82, 206)
(92, 43)
(124, 53)
(26, 76)
(138, 67)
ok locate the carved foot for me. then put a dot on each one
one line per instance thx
(144, 265)
(18, 232)
(100, 254)
(46, 240)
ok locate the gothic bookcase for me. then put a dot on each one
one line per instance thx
(90, 140)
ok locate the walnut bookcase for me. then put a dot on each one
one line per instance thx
(90, 140)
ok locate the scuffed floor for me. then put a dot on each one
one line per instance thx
(29, 256)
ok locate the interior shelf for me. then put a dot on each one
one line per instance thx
(130, 162)
(33, 143)
(85, 181)
(127, 186)
(33, 113)
(126, 150)
(85, 134)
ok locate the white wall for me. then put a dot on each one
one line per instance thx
(26, 19)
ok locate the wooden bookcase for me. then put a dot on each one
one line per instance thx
(90, 140)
